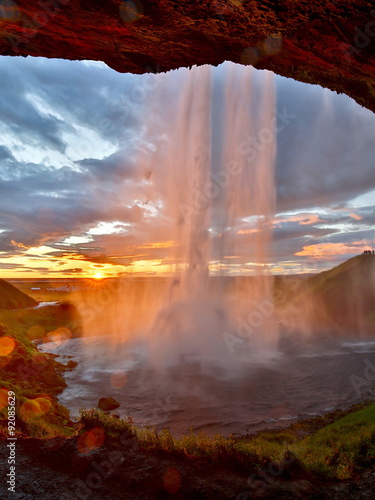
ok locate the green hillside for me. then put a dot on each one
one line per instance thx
(12, 298)
(358, 271)
(343, 296)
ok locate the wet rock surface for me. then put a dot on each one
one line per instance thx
(324, 42)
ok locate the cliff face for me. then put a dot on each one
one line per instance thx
(331, 43)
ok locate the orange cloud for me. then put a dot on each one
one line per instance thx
(321, 250)
(161, 244)
(18, 245)
(247, 231)
(302, 219)
(310, 219)
(355, 216)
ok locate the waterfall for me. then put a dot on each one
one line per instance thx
(213, 169)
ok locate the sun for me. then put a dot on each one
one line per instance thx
(98, 276)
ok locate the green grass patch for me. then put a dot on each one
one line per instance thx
(12, 298)
(339, 450)
(342, 448)
(36, 378)
(112, 426)
(34, 324)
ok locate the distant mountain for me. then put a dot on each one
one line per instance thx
(343, 296)
(12, 298)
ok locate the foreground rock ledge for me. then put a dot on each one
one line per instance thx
(331, 43)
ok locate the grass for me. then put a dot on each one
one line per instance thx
(36, 378)
(12, 298)
(339, 450)
(32, 324)
(112, 426)
(344, 297)
(343, 448)
(357, 268)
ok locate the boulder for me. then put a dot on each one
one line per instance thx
(108, 404)
(71, 365)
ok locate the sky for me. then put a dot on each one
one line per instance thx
(77, 198)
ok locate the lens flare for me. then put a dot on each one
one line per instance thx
(91, 440)
(9, 11)
(118, 379)
(273, 45)
(172, 480)
(7, 345)
(57, 338)
(131, 11)
(35, 408)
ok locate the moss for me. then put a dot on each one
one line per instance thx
(35, 377)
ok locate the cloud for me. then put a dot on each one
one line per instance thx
(326, 154)
(78, 158)
(6, 265)
(355, 216)
(323, 250)
(74, 270)
(304, 219)
(5, 154)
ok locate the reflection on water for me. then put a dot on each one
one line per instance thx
(302, 380)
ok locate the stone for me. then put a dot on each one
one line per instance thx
(327, 43)
(108, 404)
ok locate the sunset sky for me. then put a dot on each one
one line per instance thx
(72, 203)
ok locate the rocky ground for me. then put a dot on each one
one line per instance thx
(54, 469)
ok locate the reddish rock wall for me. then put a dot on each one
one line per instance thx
(331, 43)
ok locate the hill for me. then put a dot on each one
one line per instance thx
(12, 298)
(343, 296)
(357, 271)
